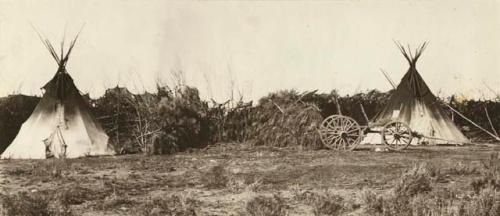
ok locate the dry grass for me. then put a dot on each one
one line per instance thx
(36, 204)
(415, 181)
(267, 206)
(216, 177)
(325, 203)
(415, 193)
(240, 179)
(171, 205)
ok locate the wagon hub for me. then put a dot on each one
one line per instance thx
(343, 135)
(397, 136)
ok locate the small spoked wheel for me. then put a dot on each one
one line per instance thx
(396, 135)
(340, 132)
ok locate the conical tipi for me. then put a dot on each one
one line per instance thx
(413, 102)
(61, 125)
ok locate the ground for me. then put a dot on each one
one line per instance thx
(222, 179)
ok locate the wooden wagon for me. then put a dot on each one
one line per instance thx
(341, 132)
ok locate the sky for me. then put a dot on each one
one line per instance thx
(252, 48)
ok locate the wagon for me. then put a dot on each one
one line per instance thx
(341, 132)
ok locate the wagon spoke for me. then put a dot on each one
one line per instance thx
(353, 130)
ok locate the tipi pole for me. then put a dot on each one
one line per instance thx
(339, 111)
(461, 115)
(388, 78)
(489, 120)
(364, 113)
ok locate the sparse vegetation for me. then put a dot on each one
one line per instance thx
(171, 205)
(216, 177)
(35, 204)
(326, 203)
(415, 195)
(267, 206)
(241, 180)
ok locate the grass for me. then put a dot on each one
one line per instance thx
(171, 205)
(216, 177)
(416, 194)
(239, 179)
(37, 204)
(267, 206)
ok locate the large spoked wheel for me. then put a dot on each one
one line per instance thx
(396, 135)
(340, 132)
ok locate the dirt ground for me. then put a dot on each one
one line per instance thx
(222, 179)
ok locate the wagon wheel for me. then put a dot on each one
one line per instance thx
(340, 132)
(396, 135)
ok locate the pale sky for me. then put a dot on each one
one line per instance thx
(258, 46)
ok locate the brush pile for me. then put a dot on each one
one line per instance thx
(161, 123)
(116, 111)
(231, 124)
(182, 121)
(283, 119)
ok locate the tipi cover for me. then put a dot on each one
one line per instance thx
(413, 102)
(61, 125)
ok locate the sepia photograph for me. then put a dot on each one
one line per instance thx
(250, 108)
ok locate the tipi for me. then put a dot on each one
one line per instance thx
(413, 102)
(61, 125)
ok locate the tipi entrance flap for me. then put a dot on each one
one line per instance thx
(55, 145)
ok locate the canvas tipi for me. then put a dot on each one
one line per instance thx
(413, 102)
(61, 125)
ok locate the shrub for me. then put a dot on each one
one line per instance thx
(266, 206)
(490, 174)
(171, 205)
(23, 204)
(414, 181)
(487, 203)
(326, 203)
(463, 169)
(413, 196)
(36, 204)
(373, 203)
